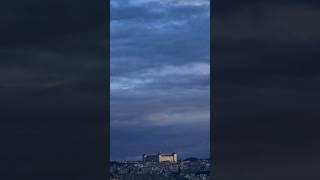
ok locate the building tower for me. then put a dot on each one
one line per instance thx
(175, 158)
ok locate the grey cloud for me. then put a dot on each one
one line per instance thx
(163, 77)
(137, 41)
(156, 84)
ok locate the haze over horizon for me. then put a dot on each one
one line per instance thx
(160, 68)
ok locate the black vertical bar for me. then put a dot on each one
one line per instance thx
(107, 99)
(212, 90)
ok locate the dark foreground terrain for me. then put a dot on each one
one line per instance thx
(189, 169)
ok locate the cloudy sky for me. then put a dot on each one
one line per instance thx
(160, 68)
(53, 72)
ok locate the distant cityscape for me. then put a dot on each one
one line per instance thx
(161, 167)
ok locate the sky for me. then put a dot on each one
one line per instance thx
(53, 73)
(160, 71)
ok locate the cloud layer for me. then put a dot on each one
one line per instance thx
(159, 76)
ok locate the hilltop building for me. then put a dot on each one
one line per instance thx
(160, 157)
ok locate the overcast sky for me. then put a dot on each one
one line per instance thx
(160, 68)
(53, 68)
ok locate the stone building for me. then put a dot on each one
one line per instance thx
(160, 157)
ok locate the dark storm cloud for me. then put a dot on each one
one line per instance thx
(159, 77)
(265, 66)
(53, 72)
